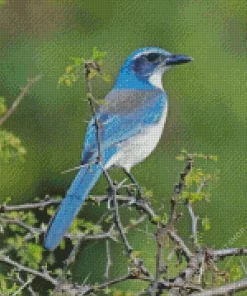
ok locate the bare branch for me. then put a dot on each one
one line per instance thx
(227, 289)
(24, 286)
(220, 254)
(29, 288)
(180, 243)
(18, 100)
(194, 221)
(119, 223)
(108, 259)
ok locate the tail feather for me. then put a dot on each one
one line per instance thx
(71, 204)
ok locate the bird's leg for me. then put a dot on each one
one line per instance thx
(140, 193)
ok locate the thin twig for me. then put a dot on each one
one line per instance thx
(24, 286)
(194, 221)
(178, 189)
(108, 259)
(88, 67)
(119, 223)
(29, 206)
(194, 218)
(18, 100)
(29, 288)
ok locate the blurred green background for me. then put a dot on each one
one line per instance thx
(207, 99)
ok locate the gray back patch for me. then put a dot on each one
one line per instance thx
(127, 101)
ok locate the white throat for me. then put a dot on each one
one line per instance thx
(156, 78)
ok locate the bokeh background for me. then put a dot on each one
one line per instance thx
(207, 100)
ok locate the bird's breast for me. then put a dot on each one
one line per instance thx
(138, 147)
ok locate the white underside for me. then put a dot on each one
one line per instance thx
(137, 148)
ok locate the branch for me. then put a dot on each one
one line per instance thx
(18, 222)
(24, 286)
(186, 275)
(29, 206)
(163, 229)
(180, 243)
(29, 288)
(45, 276)
(88, 67)
(227, 289)
(194, 220)
(221, 254)
(108, 260)
(18, 100)
(178, 189)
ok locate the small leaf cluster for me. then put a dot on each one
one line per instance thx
(31, 255)
(236, 272)
(8, 287)
(196, 181)
(74, 71)
(29, 252)
(10, 145)
(196, 185)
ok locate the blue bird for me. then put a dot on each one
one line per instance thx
(132, 121)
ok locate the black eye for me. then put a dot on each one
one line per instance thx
(152, 57)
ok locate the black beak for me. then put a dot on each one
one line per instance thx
(177, 60)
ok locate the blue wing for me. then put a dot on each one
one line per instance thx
(125, 114)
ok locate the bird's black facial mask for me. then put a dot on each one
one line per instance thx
(146, 64)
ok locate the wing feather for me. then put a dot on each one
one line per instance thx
(126, 114)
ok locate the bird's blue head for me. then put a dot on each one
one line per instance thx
(144, 68)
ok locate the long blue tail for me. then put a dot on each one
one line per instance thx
(70, 206)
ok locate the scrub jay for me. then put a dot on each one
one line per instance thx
(132, 122)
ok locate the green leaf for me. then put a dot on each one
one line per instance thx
(31, 255)
(51, 211)
(62, 244)
(98, 55)
(236, 272)
(106, 77)
(206, 223)
(77, 61)
(180, 157)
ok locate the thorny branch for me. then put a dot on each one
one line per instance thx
(162, 229)
(183, 283)
(189, 281)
